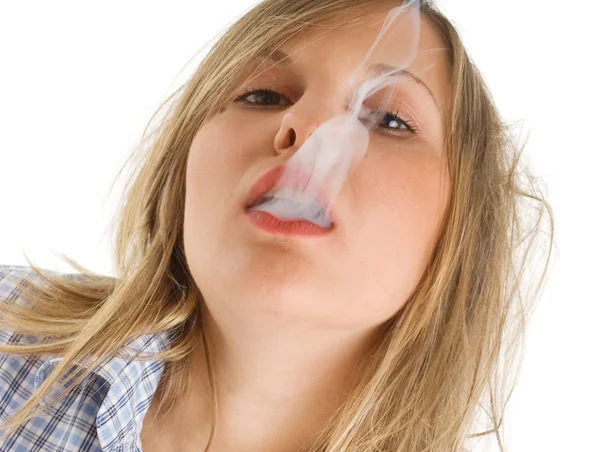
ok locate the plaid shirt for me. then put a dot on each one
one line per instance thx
(105, 411)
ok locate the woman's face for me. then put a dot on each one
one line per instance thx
(388, 212)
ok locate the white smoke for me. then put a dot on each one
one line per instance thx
(315, 174)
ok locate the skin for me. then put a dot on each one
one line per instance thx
(291, 319)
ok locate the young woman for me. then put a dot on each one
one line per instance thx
(391, 330)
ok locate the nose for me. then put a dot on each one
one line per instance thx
(298, 124)
(294, 131)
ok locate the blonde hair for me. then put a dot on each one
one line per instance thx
(443, 359)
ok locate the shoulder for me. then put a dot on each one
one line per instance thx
(11, 276)
(17, 372)
(13, 279)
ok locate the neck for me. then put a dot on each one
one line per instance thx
(278, 382)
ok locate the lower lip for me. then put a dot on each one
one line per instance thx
(274, 225)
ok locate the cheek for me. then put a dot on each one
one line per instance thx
(203, 186)
(212, 153)
(399, 221)
(210, 175)
(218, 157)
(221, 153)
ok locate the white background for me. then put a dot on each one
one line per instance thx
(79, 80)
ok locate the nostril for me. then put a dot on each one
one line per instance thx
(292, 137)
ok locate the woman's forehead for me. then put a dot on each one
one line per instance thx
(340, 49)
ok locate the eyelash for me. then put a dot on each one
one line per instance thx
(410, 127)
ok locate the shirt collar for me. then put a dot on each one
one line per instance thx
(131, 385)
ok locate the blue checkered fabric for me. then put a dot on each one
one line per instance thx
(104, 413)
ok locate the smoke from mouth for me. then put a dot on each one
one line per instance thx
(339, 144)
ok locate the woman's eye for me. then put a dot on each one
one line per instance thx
(264, 96)
(390, 123)
(268, 97)
(395, 122)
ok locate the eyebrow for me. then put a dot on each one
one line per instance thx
(283, 59)
(381, 68)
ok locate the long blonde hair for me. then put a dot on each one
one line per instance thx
(444, 358)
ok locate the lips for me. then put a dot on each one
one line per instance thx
(271, 178)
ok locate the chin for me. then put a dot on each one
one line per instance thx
(295, 295)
